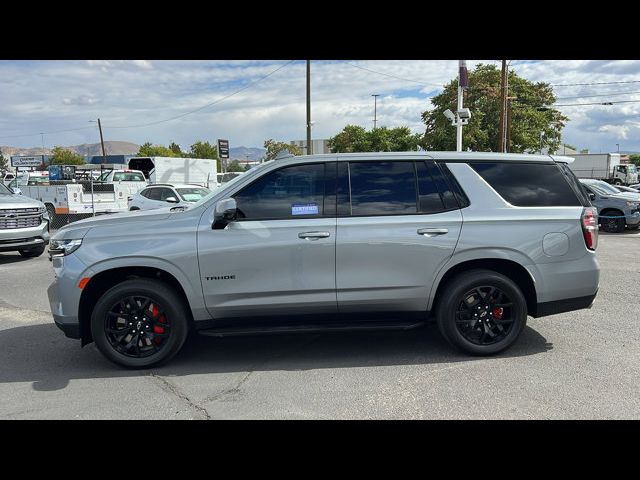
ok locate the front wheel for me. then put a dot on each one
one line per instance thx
(139, 323)
(612, 223)
(481, 312)
(32, 252)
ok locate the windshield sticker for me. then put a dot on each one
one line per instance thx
(304, 209)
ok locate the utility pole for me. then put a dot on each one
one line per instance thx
(309, 146)
(508, 136)
(104, 153)
(375, 109)
(463, 83)
(503, 103)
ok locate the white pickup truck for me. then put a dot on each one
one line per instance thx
(73, 199)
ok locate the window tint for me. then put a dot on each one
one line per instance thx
(578, 188)
(290, 192)
(166, 193)
(448, 197)
(382, 188)
(528, 184)
(154, 193)
(429, 197)
(461, 197)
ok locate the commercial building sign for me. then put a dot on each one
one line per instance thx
(23, 161)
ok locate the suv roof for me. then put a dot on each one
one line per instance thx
(450, 156)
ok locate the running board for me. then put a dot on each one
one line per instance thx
(315, 328)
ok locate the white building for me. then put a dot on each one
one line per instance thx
(317, 146)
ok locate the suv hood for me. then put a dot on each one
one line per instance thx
(80, 228)
(629, 196)
(18, 201)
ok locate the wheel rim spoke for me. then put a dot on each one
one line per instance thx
(488, 319)
(137, 338)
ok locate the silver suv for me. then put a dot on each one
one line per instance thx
(24, 224)
(476, 241)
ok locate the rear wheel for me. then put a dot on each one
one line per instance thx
(32, 252)
(139, 323)
(481, 312)
(612, 222)
(617, 182)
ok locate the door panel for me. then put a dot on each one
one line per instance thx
(384, 264)
(262, 268)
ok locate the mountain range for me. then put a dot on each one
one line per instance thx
(123, 148)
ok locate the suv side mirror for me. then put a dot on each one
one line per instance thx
(171, 200)
(592, 196)
(226, 211)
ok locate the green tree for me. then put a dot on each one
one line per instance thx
(354, 138)
(149, 150)
(635, 158)
(530, 115)
(4, 163)
(234, 166)
(63, 156)
(204, 150)
(274, 148)
(175, 148)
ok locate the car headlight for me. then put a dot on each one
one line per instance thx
(63, 247)
(633, 204)
(45, 214)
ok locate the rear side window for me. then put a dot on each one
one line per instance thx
(154, 194)
(528, 184)
(382, 188)
(429, 198)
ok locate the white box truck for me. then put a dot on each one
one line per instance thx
(604, 166)
(176, 170)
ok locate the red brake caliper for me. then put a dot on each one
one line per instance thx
(497, 312)
(158, 328)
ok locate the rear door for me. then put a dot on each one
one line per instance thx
(398, 223)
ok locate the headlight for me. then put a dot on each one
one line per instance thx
(45, 214)
(633, 204)
(63, 247)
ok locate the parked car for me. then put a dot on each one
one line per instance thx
(24, 224)
(616, 209)
(371, 241)
(163, 195)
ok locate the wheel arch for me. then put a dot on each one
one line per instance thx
(108, 278)
(509, 268)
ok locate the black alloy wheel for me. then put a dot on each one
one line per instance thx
(612, 224)
(140, 323)
(137, 326)
(484, 315)
(481, 312)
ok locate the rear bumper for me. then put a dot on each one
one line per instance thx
(562, 306)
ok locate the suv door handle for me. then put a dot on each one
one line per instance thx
(432, 232)
(313, 235)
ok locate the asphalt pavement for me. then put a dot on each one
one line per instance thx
(578, 365)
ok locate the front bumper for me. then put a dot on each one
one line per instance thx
(64, 293)
(13, 239)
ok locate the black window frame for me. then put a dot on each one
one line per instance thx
(328, 177)
(343, 188)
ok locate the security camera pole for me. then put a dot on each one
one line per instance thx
(463, 83)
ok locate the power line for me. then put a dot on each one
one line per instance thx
(599, 103)
(208, 104)
(45, 133)
(599, 95)
(394, 76)
(592, 83)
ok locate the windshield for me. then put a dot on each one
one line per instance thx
(193, 194)
(604, 188)
(128, 177)
(4, 190)
(631, 168)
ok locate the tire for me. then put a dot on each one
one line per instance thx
(613, 225)
(163, 298)
(461, 333)
(633, 227)
(617, 182)
(53, 217)
(32, 252)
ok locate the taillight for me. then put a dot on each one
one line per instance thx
(589, 222)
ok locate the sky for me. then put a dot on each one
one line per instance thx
(248, 102)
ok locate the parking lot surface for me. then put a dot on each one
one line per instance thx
(578, 365)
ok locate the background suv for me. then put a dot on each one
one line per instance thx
(164, 195)
(24, 224)
(475, 241)
(616, 209)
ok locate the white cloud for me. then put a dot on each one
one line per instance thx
(40, 96)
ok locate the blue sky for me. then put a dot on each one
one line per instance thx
(51, 96)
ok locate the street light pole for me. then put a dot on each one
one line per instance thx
(375, 109)
(104, 154)
(309, 147)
